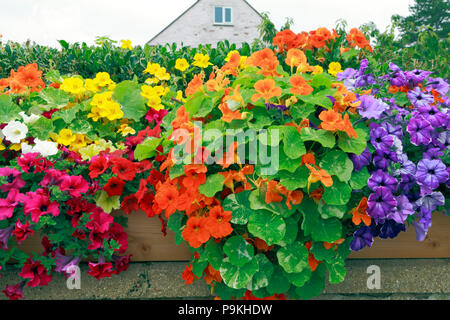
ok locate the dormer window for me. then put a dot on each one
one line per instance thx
(223, 15)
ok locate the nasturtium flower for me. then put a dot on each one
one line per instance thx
(65, 137)
(266, 89)
(74, 85)
(162, 74)
(334, 68)
(152, 68)
(181, 64)
(300, 86)
(15, 131)
(201, 60)
(196, 232)
(317, 70)
(126, 44)
(103, 79)
(91, 85)
(126, 130)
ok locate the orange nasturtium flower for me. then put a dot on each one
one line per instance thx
(212, 275)
(295, 57)
(318, 175)
(312, 261)
(334, 244)
(331, 120)
(196, 232)
(195, 84)
(218, 222)
(266, 60)
(356, 38)
(300, 86)
(360, 213)
(228, 114)
(266, 89)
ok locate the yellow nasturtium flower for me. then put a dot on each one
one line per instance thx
(162, 74)
(317, 70)
(152, 81)
(126, 130)
(91, 85)
(80, 142)
(15, 146)
(201, 60)
(103, 79)
(179, 96)
(73, 85)
(126, 44)
(65, 137)
(181, 64)
(334, 68)
(152, 68)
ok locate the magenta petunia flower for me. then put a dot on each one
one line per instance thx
(14, 292)
(8, 205)
(75, 185)
(38, 204)
(14, 181)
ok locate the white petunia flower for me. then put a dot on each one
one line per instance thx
(29, 119)
(15, 131)
(26, 148)
(45, 148)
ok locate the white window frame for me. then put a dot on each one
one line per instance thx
(223, 23)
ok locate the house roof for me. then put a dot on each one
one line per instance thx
(193, 5)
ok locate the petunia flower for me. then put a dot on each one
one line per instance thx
(420, 131)
(4, 237)
(431, 173)
(419, 98)
(371, 108)
(361, 238)
(75, 185)
(38, 203)
(36, 272)
(362, 160)
(114, 186)
(22, 231)
(15, 131)
(382, 179)
(14, 292)
(403, 209)
(380, 139)
(8, 205)
(100, 270)
(381, 203)
(13, 179)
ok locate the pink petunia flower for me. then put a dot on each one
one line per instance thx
(38, 204)
(75, 185)
(8, 205)
(14, 181)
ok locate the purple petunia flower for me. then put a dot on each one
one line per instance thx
(433, 154)
(362, 160)
(381, 203)
(421, 230)
(383, 159)
(438, 84)
(403, 209)
(382, 179)
(444, 139)
(393, 129)
(417, 76)
(4, 237)
(348, 73)
(419, 130)
(432, 114)
(390, 229)
(407, 167)
(361, 238)
(419, 98)
(371, 108)
(431, 173)
(380, 139)
(407, 182)
(431, 201)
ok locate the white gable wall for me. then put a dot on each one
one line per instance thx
(196, 26)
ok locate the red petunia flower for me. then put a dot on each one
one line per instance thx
(129, 204)
(36, 272)
(14, 292)
(98, 166)
(100, 270)
(123, 168)
(114, 186)
(122, 264)
(75, 185)
(22, 231)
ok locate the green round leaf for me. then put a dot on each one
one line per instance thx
(267, 226)
(238, 277)
(238, 251)
(337, 163)
(300, 278)
(239, 205)
(328, 230)
(338, 194)
(261, 278)
(278, 283)
(213, 184)
(293, 258)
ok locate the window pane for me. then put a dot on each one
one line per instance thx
(228, 15)
(218, 15)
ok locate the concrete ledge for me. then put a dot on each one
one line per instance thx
(400, 279)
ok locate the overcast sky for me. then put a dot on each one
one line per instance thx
(45, 21)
